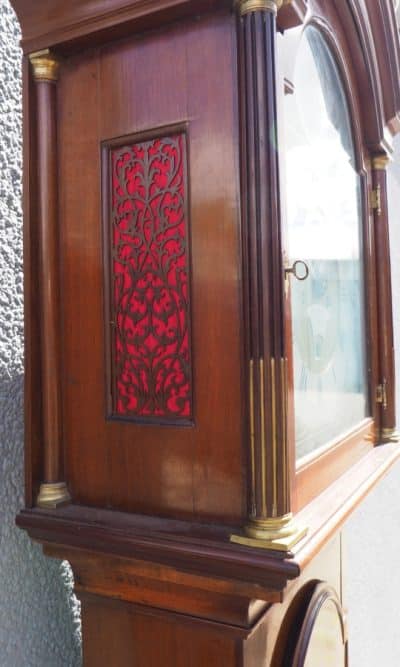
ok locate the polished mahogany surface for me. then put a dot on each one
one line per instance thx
(86, 22)
(148, 531)
(122, 635)
(153, 83)
(135, 86)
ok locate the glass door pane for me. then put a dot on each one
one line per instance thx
(324, 229)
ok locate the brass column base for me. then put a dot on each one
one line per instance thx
(53, 494)
(390, 435)
(280, 534)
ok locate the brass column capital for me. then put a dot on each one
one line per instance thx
(53, 494)
(45, 66)
(247, 6)
(380, 162)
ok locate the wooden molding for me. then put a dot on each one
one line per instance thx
(386, 36)
(292, 13)
(164, 588)
(89, 23)
(372, 33)
(375, 58)
(204, 551)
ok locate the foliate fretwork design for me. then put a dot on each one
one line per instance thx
(150, 281)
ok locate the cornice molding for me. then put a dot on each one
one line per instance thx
(85, 23)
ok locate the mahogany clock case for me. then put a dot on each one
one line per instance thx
(159, 390)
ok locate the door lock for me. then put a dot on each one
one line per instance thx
(299, 269)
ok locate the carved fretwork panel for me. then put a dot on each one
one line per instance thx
(148, 279)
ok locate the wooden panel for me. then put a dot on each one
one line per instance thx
(126, 88)
(121, 633)
(164, 587)
(118, 634)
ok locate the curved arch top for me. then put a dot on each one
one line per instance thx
(386, 36)
(370, 31)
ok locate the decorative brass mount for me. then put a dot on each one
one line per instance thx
(376, 200)
(247, 6)
(53, 494)
(380, 162)
(390, 435)
(381, 394)
(279, 534)
(44, 65)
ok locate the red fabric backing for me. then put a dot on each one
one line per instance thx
(152, 366)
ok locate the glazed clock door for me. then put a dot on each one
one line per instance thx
(323, 207)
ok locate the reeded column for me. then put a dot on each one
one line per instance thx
(386, 395)
(270, 524)
(53, 490)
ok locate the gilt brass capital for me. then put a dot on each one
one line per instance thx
(44, 66)
(53, 494)
(247, 6)
(380, 162)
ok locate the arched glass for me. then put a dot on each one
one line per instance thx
(324, 229)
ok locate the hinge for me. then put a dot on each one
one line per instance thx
(376, 200)
(381, 395)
